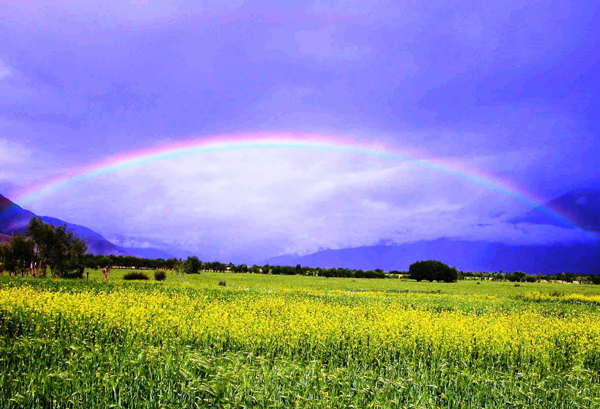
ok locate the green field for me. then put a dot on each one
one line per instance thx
(297, 341)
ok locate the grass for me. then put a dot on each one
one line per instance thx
(298, 282)
(295, 341)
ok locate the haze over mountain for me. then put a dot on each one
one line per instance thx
(14, 220)
(465, 255)
(581, 206)
(149, 247)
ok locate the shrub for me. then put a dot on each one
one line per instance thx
(74, 274)
(515, 277)
(135, 276)
(432, 270)
(222, 282)
(192, 265)
(568, 277)
(160, 275)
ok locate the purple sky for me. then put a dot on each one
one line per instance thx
(509, 87)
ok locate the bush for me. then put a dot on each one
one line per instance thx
(516, 277)
(160, 275)
(432, 270)
(74, 274)
(135, 276)
(222, 282)
(568, 277)
(192, 265)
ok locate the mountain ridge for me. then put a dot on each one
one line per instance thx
(582, 258)
(14, 220)
(581, 207)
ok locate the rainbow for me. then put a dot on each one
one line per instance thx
(292, 141)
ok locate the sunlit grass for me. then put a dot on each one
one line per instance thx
(281, 341)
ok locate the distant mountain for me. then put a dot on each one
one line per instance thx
(288, 259)
(14, 220)
(141, 244)
(147, 252)
(582, 207)
(465, 255)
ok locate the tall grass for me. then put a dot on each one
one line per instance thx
(95, 344)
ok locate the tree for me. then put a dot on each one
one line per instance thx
(179, 267)
(432, 270)
(8, 261)
(42, 235)
(193, 265)
(517, 276)
(61, 251)
(76, 257)
(17, 255)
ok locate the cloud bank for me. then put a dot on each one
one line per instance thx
(251, 205)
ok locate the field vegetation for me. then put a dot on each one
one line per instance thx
(296, 341)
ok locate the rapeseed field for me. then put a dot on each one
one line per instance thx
(273, 342)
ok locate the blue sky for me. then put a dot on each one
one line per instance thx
(507, 87)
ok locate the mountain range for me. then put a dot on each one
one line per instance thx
(581, 207)
(14, 220)
(577, 258)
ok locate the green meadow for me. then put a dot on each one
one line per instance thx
(244, 340)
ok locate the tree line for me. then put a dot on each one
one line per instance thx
(192, 265)
(521, 277)
(47, 248)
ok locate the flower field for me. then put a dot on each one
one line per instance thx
(279, 343)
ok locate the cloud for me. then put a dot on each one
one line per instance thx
(21, 162)
(249, 205)
(136, 11)
(16, 89)
(12, 153)
(525, 234)
(327, 44)
(16, 161)
(503, 87)
(5, 70)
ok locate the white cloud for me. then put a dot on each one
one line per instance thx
(359, 9)
(5, 70)
(17, 166)
(13, 153)
(327, 44)
(22, 164)
(525, 234)
(135, 11)
(261, 203)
